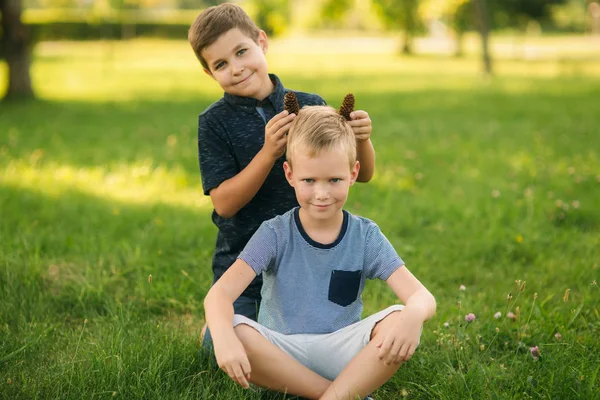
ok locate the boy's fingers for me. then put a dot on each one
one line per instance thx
(385, 349)
(240, 378)
(276, 118)
(359, 114)
(282, 123)
(359, 122)
(393, 354)
(246, 369)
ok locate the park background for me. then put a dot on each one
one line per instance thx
(486, 126)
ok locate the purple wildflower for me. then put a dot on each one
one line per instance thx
(535, 352)
(470, 317)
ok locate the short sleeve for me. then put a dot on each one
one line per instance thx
(261, 250)
(381, 259)
(217, 162)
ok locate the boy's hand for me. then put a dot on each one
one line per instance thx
(232, 359)
(361, 125)
(276, 134)
(400, 342)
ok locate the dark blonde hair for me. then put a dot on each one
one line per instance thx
(320, 128)
(211, 23)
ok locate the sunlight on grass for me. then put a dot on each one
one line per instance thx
(136, 183)
(98, 69)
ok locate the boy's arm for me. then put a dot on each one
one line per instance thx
(400, 342)
(233, 194)
(218, 306)
(365, 153)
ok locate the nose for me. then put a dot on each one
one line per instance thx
(237, 68)
(321, 192)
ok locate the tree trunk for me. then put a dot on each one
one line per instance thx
(459, 48)
(407, 43)
(484, 29)
(15, 43)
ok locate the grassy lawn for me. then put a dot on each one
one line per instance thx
(106, 238)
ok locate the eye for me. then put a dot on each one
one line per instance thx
(240, 52)
(308, 180)
(220, 65)
(335, 180)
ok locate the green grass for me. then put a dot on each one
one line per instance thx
(479, 183)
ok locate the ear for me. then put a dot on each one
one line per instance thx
(287, 168)
(263, 41)
(354, 173)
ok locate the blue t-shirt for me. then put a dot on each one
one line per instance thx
(230, 134)
(309, 287)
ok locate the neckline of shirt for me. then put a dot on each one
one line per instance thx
(314, 243)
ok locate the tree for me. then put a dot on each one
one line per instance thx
(15, 44)
(403, 14)
(484, 29)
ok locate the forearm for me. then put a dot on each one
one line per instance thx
(218, 310)
(365, 153)
(421, 305)
(234, 193)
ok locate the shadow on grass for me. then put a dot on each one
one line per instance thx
(164, 132)
(75, 256)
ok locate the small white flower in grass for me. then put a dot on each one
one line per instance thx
(558, 336)
(462, 288)
(511, 316)
(470, 317)
(497, 315)
(576, 204)
(446, 324)
(535, 352)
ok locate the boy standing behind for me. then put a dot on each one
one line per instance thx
(309, 339)
(242, 137)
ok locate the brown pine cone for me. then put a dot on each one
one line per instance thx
(290, 103)
(347, 106)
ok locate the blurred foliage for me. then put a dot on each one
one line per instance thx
(573, 16)
(272, 16)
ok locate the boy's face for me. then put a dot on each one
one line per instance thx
(321, 182)
(238, 64)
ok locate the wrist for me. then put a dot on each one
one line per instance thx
(415, 313)
(266, 156)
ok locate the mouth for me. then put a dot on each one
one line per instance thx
(321, 206)
(244, 80)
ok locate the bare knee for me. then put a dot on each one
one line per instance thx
(389, 320)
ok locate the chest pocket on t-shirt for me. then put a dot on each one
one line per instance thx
(343, 286)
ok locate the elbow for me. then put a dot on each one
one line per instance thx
(223, 208)
(224, 212)
(209, 298)
(433, 303)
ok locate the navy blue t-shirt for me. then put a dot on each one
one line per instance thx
(230, 133)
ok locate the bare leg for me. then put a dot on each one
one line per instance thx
(274, 369)
(365, 372)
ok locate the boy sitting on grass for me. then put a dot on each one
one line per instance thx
(309, 340)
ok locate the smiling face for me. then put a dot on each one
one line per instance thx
(238, 64)
(321, 182)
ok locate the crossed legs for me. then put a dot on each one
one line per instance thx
(274, 369)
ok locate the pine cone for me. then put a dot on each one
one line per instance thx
(347, 106)
(290, 103)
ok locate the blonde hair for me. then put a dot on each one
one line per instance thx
(320, 128)
(213, 22)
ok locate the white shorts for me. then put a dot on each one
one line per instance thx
(326, 354)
